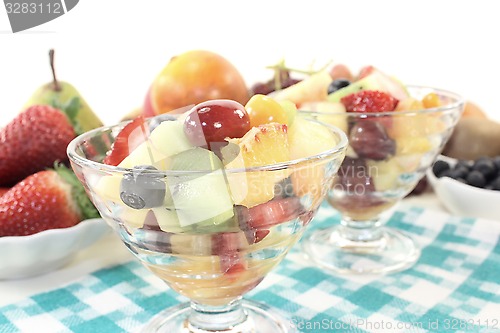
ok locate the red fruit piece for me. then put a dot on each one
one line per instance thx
(354, 177)
(365, 71)
(357, 187)
(257, 221)
(369, 139)
(226, 245)
(148, 108)
(369, 101)
(129, 138)
(211, 122)
(341, 71)
(32, 142)
(152, 237)
(49, 199)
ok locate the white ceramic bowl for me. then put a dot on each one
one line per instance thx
(465, 200)
(46, 251)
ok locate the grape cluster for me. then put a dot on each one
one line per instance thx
(483, 172)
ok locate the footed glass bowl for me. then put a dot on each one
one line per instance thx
(185, 226)
(388, 153)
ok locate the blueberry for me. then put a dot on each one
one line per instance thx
(496, 161)
(476, 178)
(459, 172)
(445, 173)
(338, 84)
(439, 167)
(143, 188)
(464, 164)
(157, 120)
(486, 167)
(495, 185)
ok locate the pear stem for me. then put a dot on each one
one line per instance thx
(57, 87)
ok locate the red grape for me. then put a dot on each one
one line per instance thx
(354, 177)
(370, 140)
(211, 122)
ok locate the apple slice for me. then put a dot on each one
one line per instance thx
(332, 113)
(312, 89)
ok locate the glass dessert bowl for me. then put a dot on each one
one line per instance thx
(211, 225)
(388, 153)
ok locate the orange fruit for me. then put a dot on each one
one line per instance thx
(263, 109)
(194, 77)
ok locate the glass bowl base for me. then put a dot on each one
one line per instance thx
(394, 251)
(261, 319)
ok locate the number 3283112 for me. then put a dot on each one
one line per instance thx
(33, 8)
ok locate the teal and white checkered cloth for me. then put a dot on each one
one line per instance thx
(454, 287)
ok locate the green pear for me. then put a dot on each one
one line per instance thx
(65, 97)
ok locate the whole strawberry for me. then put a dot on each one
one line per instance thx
(33, 141)
(3, 190)
(49, 199)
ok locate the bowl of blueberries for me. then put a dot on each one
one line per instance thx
(468, 188)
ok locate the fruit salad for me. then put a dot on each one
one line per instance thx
(212, 199)
(392, 139)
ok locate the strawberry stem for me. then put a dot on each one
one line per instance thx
(57, 86)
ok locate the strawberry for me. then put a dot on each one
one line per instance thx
(369, 101)
(3, 190)
(49, 199)
(131, 136)
(33, 141)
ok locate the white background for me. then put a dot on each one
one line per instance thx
(111, 50)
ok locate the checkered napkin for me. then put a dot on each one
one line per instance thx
(454, 287)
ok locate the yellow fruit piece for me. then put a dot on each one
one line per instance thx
(290, 109)
(308, 138)
(332, 113)
(431, 100)
(413, 145)
(415, 125)
(385, 174)
(132, 218)
(409, 104)
(263, 145)
(263, 110)
(214, 288)
(107, 187)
